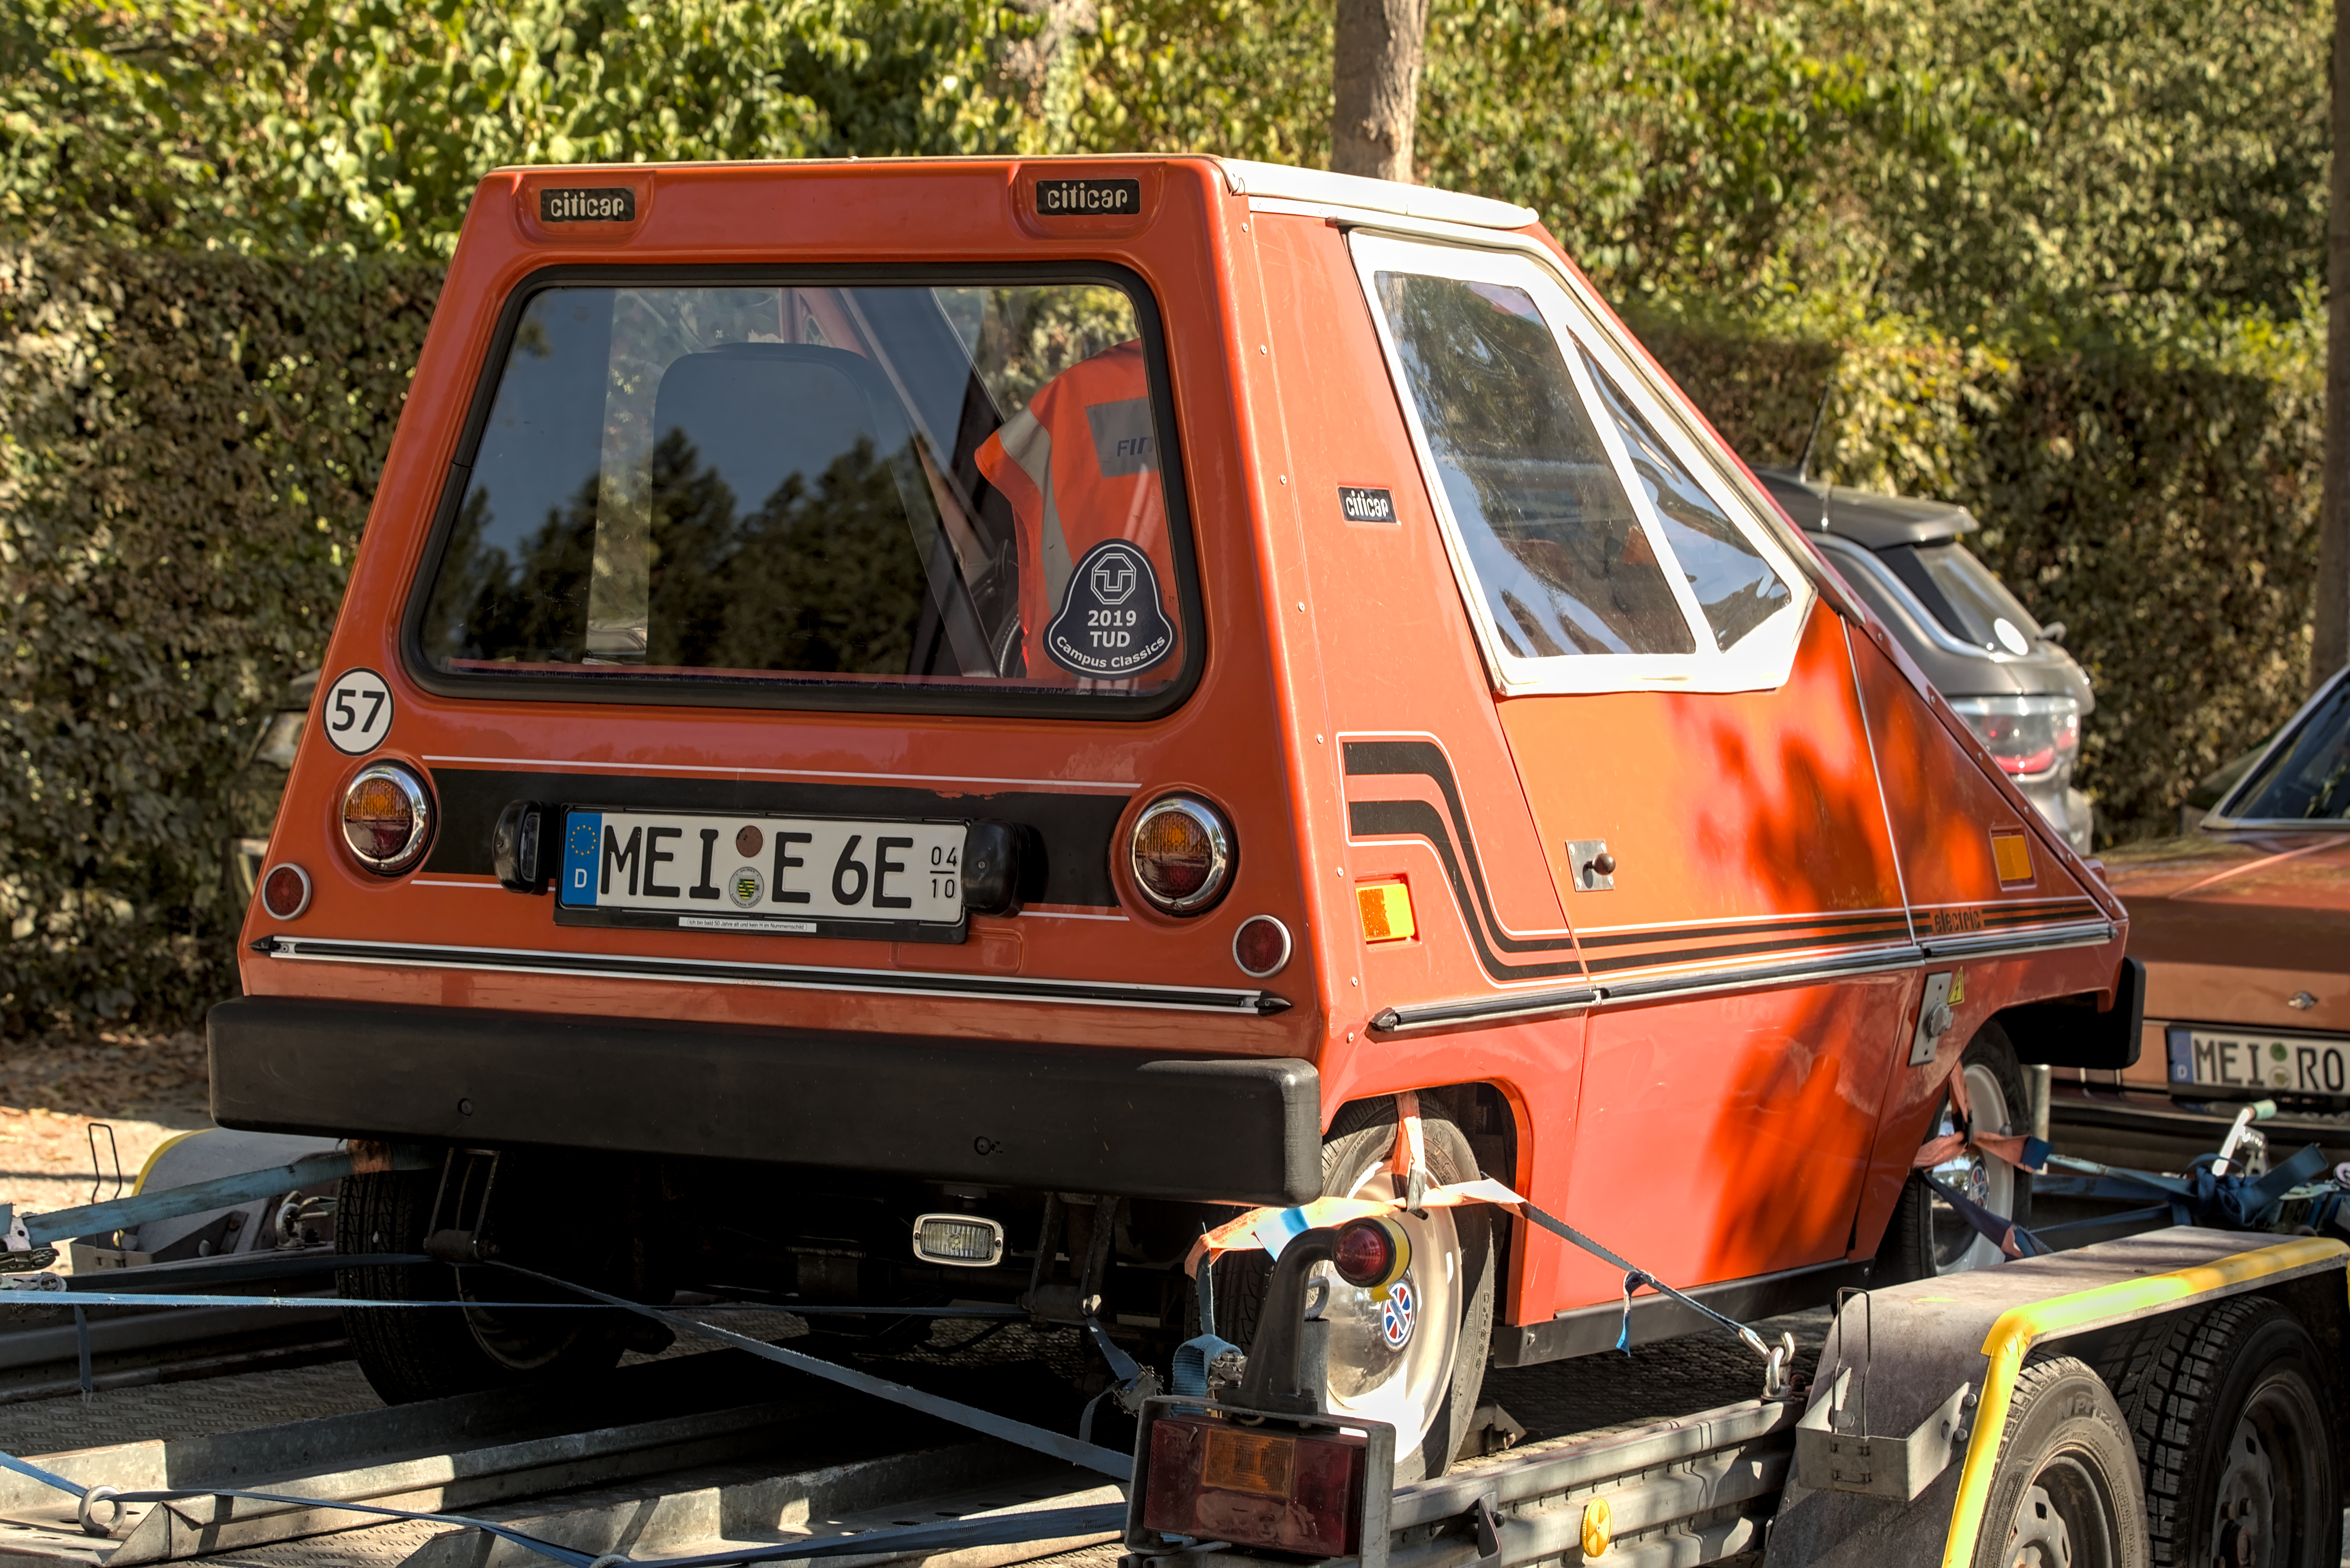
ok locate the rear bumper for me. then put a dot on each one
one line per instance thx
(1080, 1120)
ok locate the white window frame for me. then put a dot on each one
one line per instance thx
(1762, 659)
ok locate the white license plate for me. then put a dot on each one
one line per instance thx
(803, 875)
(2235, 1059)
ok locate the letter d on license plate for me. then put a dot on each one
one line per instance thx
(783, 876)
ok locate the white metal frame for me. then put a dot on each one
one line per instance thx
(1762, 659)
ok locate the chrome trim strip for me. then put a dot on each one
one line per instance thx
(790, 977)
(1877, 960)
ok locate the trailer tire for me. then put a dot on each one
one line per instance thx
(1926, 1239)
(409, 1354)
(2066, 1482)
(1359, 1140)
(2229, 1414)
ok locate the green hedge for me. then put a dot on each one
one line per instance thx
(189, 443)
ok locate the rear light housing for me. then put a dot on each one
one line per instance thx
(387, 819)
(1181, 854)
(1265, 1486)
(961, 1240)
(2030, 737)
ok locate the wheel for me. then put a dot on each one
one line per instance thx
(1413, 1356)
(1927, 1236)
(2232, 1432)
(2065, 1493)
(409, 1354)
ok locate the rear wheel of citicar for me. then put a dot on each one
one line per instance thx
(1927, 1236)
(2066, 1493)
(1413, 1354)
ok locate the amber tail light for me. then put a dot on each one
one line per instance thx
(387, 819)
(1181, 855)
(1216, 1480)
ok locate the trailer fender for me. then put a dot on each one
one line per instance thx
(1911, 1347)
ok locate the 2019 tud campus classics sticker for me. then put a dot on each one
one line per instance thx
(1111, 624)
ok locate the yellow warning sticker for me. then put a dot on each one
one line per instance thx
(1385, 911)
(2010, 854)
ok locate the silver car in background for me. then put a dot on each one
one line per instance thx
(2003, 671)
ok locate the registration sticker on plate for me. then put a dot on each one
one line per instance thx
(2234, 1059)
(790, 875)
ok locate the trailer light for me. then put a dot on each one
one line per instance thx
(387, 819)
(1289, 1491)
(1372, 1253)
(965, 1241)
(1182, 854)
(1261, 947)
(286, 892)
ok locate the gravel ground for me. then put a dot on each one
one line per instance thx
(54, 1088)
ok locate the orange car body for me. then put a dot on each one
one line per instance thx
(1712, 1064)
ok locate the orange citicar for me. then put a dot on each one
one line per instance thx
(914, 732)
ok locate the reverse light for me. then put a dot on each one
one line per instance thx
(286, 892)
(1181, 855)
(387, 819)
(2031, 736)
(1212, 1480)
(965, 1241)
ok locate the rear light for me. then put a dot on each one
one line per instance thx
(387, 819)
(1261, 947)
(1290, 1491)
(1372, 1253)
(1182, 854)
(966, 1240)
(286, 892)
(2030, 737)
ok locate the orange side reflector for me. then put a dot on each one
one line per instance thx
(2011, 853)
(1385, 911)
(1250, 1461)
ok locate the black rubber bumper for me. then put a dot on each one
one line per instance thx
(1080, 1120)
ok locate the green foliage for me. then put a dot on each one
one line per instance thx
(364, 126)
(188, 445)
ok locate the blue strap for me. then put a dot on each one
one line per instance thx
(1635, 1276)
(46, 1478)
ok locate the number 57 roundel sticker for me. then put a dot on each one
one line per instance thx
(1111, 622)
(357, 711)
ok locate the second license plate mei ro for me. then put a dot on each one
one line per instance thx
(791, 876)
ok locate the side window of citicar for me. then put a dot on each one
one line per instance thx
(849, 486)
(1592, 555)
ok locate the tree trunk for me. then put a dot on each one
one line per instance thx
(1376, 72)
(2331, 649)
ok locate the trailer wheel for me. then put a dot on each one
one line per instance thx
(1416, 1359)
(2232, 1431)
(2065, 1493)
(409, 1354)
(1928, 1237)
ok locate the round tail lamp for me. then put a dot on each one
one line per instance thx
(1372, 1253)
(1182, 854)
(387, 819)
(286, 892)
(1261, 947)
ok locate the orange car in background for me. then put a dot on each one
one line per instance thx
(2244, 925)
(915, 731)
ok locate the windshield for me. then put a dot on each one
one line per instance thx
(944, 486)
(2307, 779)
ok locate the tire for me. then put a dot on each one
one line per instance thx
(409, 1354)
(2065, 1489)
(2227, 1411)
(1429, 1390)
(1927, 1238)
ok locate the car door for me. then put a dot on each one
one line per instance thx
(1681, 712)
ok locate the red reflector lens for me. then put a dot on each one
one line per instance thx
(1261, 947)
(1372, 1253)
(286, 892)
(1290, 1491)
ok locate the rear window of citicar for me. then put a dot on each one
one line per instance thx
(899, 493)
